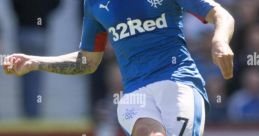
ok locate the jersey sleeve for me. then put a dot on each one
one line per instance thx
(94, 36)
(198, 8)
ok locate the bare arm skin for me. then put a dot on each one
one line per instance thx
(80, 62)
(74, 63)
(222, 54)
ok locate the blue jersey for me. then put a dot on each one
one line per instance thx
(147, 37)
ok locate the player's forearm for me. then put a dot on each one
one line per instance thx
(224, 25)
(71, 64)
(222, 54)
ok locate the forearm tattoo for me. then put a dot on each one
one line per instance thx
(80, 66)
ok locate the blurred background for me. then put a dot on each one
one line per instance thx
(42, 104)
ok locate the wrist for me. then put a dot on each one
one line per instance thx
(35, 64)
(219, 41)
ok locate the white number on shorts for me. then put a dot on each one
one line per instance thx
(184, 124)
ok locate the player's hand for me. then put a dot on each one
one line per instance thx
(222, 56)
(18, 64)
(8, 65)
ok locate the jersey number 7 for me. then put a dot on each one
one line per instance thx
(184, 124)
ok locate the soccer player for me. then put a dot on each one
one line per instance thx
(148, 39)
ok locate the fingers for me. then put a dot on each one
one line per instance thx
(7, 69)
(8, 65)
(225, 64)
(229, 64)
(14, 64)
(223, 57)
(18, 66)
(11, 65)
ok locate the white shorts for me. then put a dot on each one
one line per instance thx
(178, 107)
